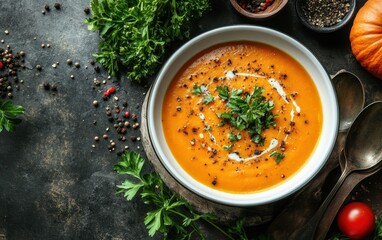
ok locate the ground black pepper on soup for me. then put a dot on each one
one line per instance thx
(242, 117)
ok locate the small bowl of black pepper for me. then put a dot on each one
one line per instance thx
(325, 16)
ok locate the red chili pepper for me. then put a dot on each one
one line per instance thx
(1, 65)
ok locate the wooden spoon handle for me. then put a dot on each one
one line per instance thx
(352, 180)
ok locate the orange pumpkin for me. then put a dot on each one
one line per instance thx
(366, 37)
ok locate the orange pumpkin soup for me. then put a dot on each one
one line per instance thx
(242, 117)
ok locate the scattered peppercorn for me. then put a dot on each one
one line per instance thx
(97, 69)
(95, 103)
(87, 10)
(38, 67)
(77, 64)
(9, 64)
(69, 62)
(57, 6)
(215, 181)
(46, 86)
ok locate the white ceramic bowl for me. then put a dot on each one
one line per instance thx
(245, 33)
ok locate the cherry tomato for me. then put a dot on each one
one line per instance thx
(356, 220)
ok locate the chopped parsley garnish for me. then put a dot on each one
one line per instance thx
(234, 137)
(228, 148)
(250, 112)
(197, 90)
(258, 139)
(223, 92)
(208, 99)
(207, 128)
(278, 156)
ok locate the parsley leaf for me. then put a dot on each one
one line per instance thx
(228, 148)
(223, 92)
(278, 156)
(136, 34)
(207, 128)
(197, 90)
(251, 112)
(234, 137)
(208, 99)
(173, 216)
(9, 114)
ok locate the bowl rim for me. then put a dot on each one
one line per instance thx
(231, 199)
(347, 18)
(258, 16)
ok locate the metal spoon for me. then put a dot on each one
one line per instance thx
(350, 96)
(351, 99)
(343, 192)
(362, 151)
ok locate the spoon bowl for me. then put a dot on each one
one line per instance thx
(350, 96)
(363, 146)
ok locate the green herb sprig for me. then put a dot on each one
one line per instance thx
(136, 33)
(251, 112)
(278, 156)
(173, 216)
(9, 115)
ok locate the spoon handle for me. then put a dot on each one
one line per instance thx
(308, 231)
(351, 181)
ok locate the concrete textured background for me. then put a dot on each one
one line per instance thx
(53, 183)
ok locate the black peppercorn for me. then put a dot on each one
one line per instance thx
(87, 10)
(46, 86)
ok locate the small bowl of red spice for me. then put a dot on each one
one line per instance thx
(325, 16)
(258, 9)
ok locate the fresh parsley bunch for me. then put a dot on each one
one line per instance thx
(173, 216)
(9, 114)
(137, 32)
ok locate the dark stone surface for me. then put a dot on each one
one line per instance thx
(53, 183)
